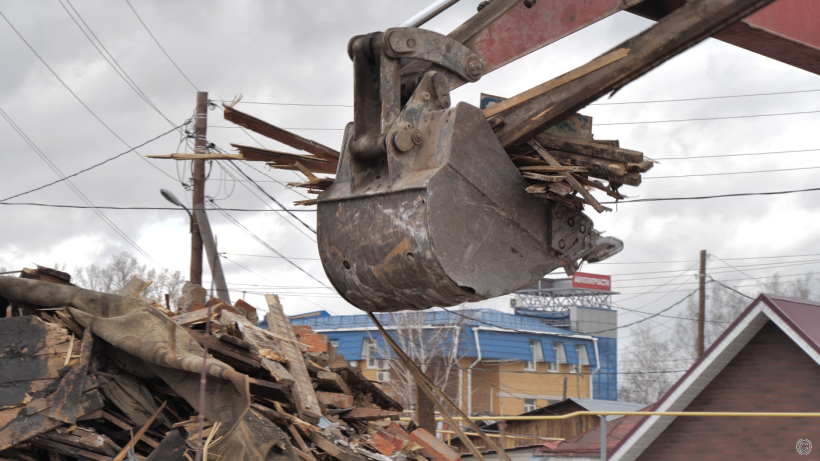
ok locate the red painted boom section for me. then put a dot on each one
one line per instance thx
(787, 30)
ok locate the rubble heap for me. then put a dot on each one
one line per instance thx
(89, 375)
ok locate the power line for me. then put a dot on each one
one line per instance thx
(285, 128)
(271, 197)
(109, 58)
(593, 104)
(707, 118)
(64, 178)
(707, 197)
(737, 155)
(731, 173)
(268, 205)
(74, 188)
(159, 45)
(77, 97)
(48, 205)
(266, 256)
(262, 242)
(702, 98)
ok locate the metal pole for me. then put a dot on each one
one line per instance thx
(701, 303)
(198, 180)
(603, 438)
(431, 11)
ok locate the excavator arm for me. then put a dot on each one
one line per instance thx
(430, 207)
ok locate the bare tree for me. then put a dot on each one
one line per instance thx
(433, 342)
(648, 367)
(652, 363)
(122, 268)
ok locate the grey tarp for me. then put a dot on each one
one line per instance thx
(155, 346)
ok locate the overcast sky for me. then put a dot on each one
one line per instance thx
(295, 52)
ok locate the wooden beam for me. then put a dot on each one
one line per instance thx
(199, 157)
(310, 162)
(549, 85)
(592, 149)
(279, 134)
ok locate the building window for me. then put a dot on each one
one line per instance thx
(574, 368)
(553, 367)
(560, 354)
(334, 343)
(529, 405)
(536, 355)
(369, 354)
(583, 357)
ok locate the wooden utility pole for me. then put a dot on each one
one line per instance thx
(701, 302)
(198, 180)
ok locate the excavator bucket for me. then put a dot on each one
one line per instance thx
(430, 210)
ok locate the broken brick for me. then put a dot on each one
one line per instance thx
(387, 444)
(396, 429)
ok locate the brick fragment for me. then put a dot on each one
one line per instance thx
(386, 443)
(396, 429)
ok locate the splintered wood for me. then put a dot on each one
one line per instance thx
(305, 398)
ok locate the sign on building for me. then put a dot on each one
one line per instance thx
(592, 281)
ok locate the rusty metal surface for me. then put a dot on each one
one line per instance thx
(426, 45)
(785, 31)
(438, 225)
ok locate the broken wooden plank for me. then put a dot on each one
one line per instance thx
(538, 90)
(304, 396)
(67, 398)
(545, 178)
(183, 156)
(122, 454)
(595, 166)
(570, 179)
(358, 383)
(553, 168)
(586, 182)
(69, 450)
(592, 149)
(332, 399)
(369, 414)
(271, 391)
(227, 352)
(332, 381)
(279, 134)
(21, 423)
(336, 451)
(312, 163)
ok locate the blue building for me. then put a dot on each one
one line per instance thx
(486, 360)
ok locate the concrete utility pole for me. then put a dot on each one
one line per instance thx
(701, 303)
(425, 411)
(198, 180)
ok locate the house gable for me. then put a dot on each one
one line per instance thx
(770, 374)
(778, 312)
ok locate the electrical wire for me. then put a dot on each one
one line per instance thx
(266, 256)
(49, 205)
(731, 173)
(647, 122)
(65, 178)
(160, 45)
(736, 155)
(262, 242)
(707, 197)
(74, 188)
(77, 97)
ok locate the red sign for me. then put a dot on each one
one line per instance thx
(592, 281)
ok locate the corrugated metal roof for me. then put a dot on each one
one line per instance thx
(608, 405)
(802, 314)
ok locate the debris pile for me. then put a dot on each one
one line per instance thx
(559, 163)
(89, 375)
